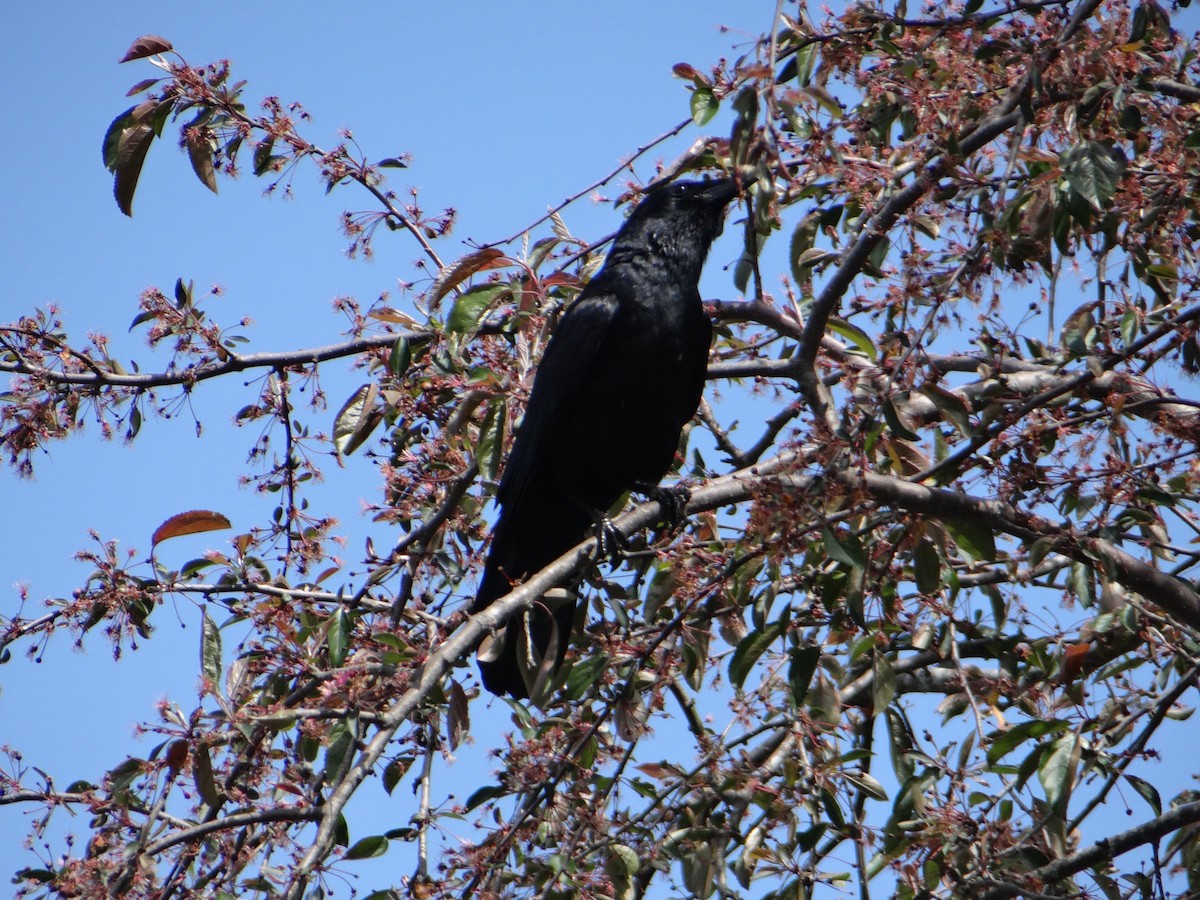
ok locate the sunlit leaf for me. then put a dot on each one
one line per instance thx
(1057, 770)
(210, 649)
(146, 45)
(125, 149)
(1003, 742)
(704, 105)
(358, 417)
(459, 271)
(621, 865)
(470, 307)
(192, 522)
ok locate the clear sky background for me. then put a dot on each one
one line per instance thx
(507, 108)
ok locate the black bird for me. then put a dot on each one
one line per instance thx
(620, 377)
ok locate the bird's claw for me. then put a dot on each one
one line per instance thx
(673, 500)
(610, 542)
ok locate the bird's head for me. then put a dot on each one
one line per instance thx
(679, 220)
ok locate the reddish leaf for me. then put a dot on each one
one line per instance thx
(146, 45)
(463, 269)
(1074, 656)
(142, 85)
(177, 753)
(193, 522)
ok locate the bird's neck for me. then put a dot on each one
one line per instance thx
(657, 259)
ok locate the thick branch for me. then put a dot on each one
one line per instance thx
(191, 375)
(1102, 851)
(1172, 594)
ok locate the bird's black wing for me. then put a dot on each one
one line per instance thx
(569, 360)
(537, 523)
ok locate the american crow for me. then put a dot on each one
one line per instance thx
(620, 377)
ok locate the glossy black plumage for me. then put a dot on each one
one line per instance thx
(620, 377)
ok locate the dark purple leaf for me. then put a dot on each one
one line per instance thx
(132, 146)
(200, 153)
(142, 85)
(146, 45)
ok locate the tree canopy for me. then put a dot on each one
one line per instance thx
(934, 608)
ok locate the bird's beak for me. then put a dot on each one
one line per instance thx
(721, 191)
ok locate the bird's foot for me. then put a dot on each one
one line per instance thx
(610, 543)
(673, 500)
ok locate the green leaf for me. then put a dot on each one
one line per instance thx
(394, 771)
(802, 665)
(489, 449)
(1056, 771)
(750, 648)
(341, 746)
(112, 137)
(621, 866)
(865, 783)
(884, 683)
(1079, 331)
(1003, 742)
(121, 777)
(1082, 584)
(355, 421)
(368, 848)
(803, 239)
(973, 538)
(262, 160)
(704, 105)
(400, 358)
(927, 567)
(210, 650)
(854, 335)
(953, 408)
(470, 307)
(873, 264)
(202, 776)
(845, 548)
(337, 640)
(1148, 792)
(484, 794)
(891, 415)
(1093, 171)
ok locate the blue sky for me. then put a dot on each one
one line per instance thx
(506, 109)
